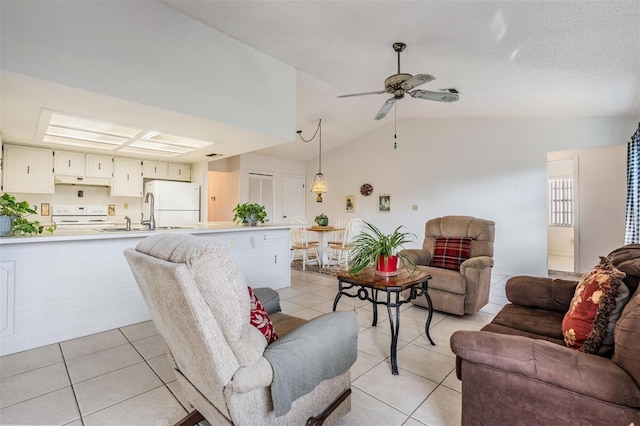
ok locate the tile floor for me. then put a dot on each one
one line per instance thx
(122, 376)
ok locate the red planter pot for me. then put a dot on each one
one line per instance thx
(387, 266)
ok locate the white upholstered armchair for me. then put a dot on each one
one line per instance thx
(199, 302)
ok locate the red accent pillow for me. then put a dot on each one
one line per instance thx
(259, 318)
(449, 253)
(585, 324)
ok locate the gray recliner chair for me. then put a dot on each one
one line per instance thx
(199, 302)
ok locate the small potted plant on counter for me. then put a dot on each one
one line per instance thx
(13, 217)
(373, 247)
(321, 220)
(249, 214)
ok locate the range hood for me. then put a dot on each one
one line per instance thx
(82, 180)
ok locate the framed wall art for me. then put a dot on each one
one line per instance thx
(384, 203)
(349, 203)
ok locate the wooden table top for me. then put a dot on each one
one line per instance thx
(368, 278)
(324, 228)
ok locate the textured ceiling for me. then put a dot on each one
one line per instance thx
(507, 59)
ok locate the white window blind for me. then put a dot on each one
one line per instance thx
(561, 202)
(261, 191)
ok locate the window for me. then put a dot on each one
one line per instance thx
(561, 202)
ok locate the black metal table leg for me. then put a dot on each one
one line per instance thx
(395, 330)
(335, 301)
(426, 326)
(375, 308)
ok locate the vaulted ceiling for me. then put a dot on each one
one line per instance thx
(507, 59)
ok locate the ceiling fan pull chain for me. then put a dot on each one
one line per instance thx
(395, 126)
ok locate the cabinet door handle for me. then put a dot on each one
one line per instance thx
(179, 172)
(155, 169)
(275, 258)
(28, 169)
(127, 176)
(69, 163)
(99, 166)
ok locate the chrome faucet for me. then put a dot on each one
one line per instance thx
(152, 220)
(128, 225)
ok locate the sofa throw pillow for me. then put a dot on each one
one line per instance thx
(584, 326)
(449, 253)
(260, 320)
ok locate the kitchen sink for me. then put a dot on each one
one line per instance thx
(137, 229)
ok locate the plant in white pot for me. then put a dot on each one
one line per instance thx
(372, 247)
(249, 214)
(13, 217)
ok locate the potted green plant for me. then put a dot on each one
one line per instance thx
(321, 220)
(13, 217)
(373, 247)
(249, 214)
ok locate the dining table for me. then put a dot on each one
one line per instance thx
(323, 234)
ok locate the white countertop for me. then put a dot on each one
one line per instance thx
(95, 234)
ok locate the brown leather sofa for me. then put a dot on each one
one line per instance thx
(517, 369)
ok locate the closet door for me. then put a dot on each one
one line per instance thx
(261, 192)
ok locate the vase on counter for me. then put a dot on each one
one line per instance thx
(6, 223)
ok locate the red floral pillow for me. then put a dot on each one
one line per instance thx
(449, 253)
(260, 320)
(585, 324)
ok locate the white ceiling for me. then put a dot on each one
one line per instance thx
(507, 59)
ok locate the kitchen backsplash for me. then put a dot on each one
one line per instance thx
(98, 195)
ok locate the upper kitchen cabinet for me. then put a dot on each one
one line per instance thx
(154, 169)
(100, 166)
(127, 177)
(179, 172)
(27, 170)
(68, 163)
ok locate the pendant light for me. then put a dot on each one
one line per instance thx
(318, 186)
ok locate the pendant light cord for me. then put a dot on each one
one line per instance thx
(318, 130)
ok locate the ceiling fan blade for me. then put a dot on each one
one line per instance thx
(434, 96)
(378, 92)
(416, 81)
(385, 109)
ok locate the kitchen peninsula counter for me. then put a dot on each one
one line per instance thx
(72, 283)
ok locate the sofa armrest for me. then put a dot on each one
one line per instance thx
(478, 262)
(419, 256)
(542, 293)
(550, 363)
(322, 348)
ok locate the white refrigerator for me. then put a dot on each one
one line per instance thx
(175, 203)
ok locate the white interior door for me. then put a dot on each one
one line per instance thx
(261, 192)
(293, 199)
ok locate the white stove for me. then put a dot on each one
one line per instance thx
(80, 216)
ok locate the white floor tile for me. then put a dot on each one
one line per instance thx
(109, 389)
(54, 408)
(139, 331)
(151, 347)
(442, 408)
(162, 368)
(30, 384)
(93, 343)
(29, 360)
(98, 363)
(155, 407)
(367, 411)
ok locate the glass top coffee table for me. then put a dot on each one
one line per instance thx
(370, 284)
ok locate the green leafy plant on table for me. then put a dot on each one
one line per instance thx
(249, 213)
(372, 247)
(321, 220)
(16, 213)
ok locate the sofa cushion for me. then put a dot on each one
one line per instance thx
(627, 338)
(530, 322)
(445, 280)
(585, 324)
(449, 253)
(260, 319)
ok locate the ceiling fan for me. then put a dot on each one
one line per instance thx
(401, 83)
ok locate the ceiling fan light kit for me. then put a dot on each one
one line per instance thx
(401, 83)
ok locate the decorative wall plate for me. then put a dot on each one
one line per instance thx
(366, 189)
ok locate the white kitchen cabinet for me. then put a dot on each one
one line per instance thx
(179, 172)
(99, 166)
(274, 264)
(154, 169)
(68, 163)
(27, 170)
(127, 177)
